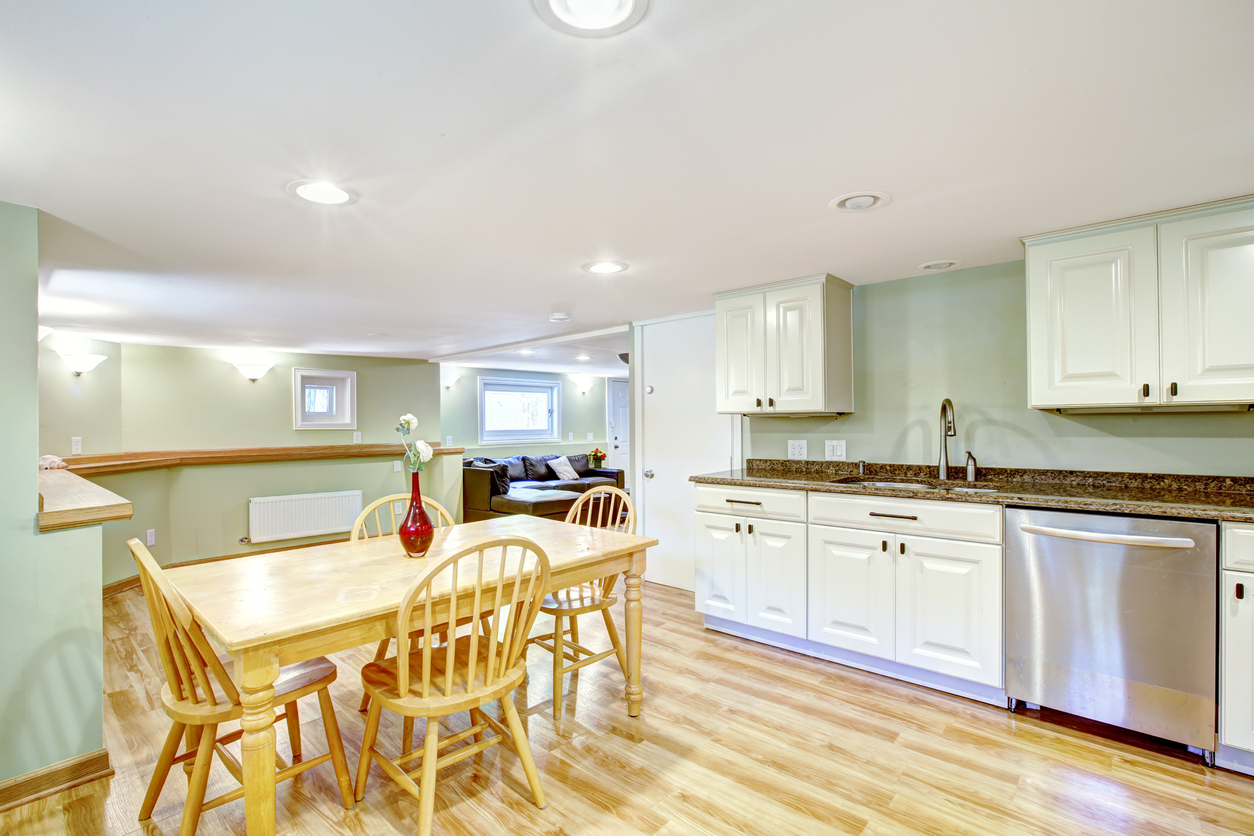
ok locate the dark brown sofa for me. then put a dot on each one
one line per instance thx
(527, 485)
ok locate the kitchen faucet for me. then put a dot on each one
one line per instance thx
(946, 430)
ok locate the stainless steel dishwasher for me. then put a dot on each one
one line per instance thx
(1114, 618)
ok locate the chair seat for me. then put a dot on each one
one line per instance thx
(294, 682)
(576, 600)
(379, 681)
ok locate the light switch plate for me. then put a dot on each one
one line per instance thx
(796, 449)
(76, 445)
(834, 451)
(357, 438)
(396, 467)
(152, 537)
(448, 441)
(570, 436)
(589, 436)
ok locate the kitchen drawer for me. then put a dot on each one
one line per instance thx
(1237, 542)
(752, 502)
(927, 517)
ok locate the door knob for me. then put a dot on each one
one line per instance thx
(615, 446)
(648, 474)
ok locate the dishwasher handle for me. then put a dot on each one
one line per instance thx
(1116, 539)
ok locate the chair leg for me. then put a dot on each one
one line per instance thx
(292, 713)
(191, 736)
(559, 659)
(199, 782)
(162, 770)
(367, 743)
(574, 629)
(379, 656)
(615, 640)
(335, 745)
(523, 747)
(475, 715)
(407, 735)
(430, 754)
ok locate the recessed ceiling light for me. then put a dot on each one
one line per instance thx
(937, 266)
(526, 352)
(583, 357)
(860, 201)
(591, 18)
(603, 267)
(376, 334)
(320, 191)
(559, 316)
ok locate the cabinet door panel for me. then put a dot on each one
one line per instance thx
(794, 349)
(949, 608)
(740, 364)
(777, 577)
(720, 566)
(1093, 320)
(1207, 279)
(851, 580)
(1236, 662)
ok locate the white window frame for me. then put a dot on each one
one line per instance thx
(552, 433)
(345, 415)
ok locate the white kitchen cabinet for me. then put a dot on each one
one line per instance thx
(852, 590)
(1236, 660)
(786, 348)
(776, 574)
(1206, 281)
(1150, 312)
(721, 567)
(949, 608)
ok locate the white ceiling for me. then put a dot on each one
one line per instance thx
(494, 156)
(560, 355)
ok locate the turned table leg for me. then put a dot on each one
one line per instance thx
(256, 671)
(632, 610)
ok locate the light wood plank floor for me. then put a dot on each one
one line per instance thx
(735, 738)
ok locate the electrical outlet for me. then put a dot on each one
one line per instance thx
(357, 438)
(152, 537)
(834, 451)
(398, 507)
(796, 449)
(570, 436)
(448, 441)
(76, 445)
(589, 436)
(396, 467)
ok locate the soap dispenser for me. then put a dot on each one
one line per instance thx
(970, 466)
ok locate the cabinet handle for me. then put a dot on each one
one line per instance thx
(1145, 390)
(744, 501)
(1175, 390)
(750, 528)
(884, 546)
(1240, 590)
(737, 528)
(770, 402)
(759, 403)
(902, 546)
(891, 516)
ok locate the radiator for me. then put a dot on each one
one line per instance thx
(301, 515)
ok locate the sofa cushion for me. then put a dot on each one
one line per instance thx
(562, 468)
(537, 467)
(534, 502)
(517, 469)
(598, 481)
(580, 463)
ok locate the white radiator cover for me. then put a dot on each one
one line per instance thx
(301, 515)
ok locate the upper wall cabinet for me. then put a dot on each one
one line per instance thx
(785, 349)
(1148, 313)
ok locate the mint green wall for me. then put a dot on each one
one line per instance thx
(963, 335)
(581, 414)
(51, 656)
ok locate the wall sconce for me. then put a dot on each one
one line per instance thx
(449, 375)
(253, 371)
(41, 331)
(80, 363)
(583, 382)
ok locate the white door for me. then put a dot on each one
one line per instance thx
(794, 349)
(1093, 320)
(680, 434)
(851, 590)
(620, 426)
(777, 576)
(949, 613)
(739, 372)
(1207, 285)
(1236, 661)
(720, 552)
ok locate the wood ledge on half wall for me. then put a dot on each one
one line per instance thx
(102, 463)
(67, 500)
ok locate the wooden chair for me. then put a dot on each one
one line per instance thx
(199, 695)
(361, 532)
(501, 578)
(602, 507)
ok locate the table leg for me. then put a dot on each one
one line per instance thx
(255, 673)
(632, 609)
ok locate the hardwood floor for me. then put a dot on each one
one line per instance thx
(735, 738)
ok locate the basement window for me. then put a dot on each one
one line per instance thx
(519, 411)
(324, 399)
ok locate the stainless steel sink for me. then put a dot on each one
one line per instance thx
(904, 486)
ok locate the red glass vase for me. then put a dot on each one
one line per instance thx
(416, 531)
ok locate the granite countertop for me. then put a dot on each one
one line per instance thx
(1227, 498)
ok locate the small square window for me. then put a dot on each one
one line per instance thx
(519, 411)
(323, 399)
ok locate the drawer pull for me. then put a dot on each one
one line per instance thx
(737, 528)
(750, 528)
(1145, 390)
(759, 400)
(902, 546)
(745, 501)
(1241, 590)
(1175, 389)
(891, 516)
(884, 546)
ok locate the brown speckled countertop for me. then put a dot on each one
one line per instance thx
(1228, 498)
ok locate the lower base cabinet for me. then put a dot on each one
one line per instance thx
(1236, 660)
(929, 603)
(752, 571)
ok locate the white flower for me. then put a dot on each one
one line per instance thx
(423, 452)
(408, 421)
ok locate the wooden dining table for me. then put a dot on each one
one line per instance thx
(270, 610)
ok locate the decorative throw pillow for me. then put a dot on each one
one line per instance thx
(517, 468)
(561, 466)
(579, 461)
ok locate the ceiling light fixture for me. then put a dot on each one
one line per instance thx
(81, 363)
(602, 268)
(320, 191)
(526, 352)
(582, 357)
(860, 201)
(938, 266)
(559, 316)
(591, 18)
(449, 375)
